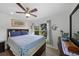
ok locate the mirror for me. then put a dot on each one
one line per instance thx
(74, 26)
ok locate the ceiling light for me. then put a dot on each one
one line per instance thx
(27, 15)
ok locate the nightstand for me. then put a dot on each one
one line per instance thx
(2, 46)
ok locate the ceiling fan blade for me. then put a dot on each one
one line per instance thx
(21, 6)
(33, 10)
(33, 15)
(20, 12)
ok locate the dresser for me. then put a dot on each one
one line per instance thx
(67, 48)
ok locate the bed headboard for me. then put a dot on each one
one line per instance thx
(18, 31)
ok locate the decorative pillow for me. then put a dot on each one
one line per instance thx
(24, 33)
(15, 33)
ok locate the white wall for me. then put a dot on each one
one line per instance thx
(61, 20)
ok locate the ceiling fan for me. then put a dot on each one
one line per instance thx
(27, 11)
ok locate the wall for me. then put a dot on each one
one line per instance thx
(4, 19)
(61, 20)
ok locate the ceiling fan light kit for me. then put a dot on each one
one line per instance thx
(27, 15)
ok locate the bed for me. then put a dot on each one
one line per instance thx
(23, 44)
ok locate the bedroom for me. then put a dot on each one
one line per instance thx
(48, 20)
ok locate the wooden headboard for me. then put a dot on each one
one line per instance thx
(9, 30)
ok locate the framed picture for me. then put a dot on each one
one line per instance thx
(44, 27)
(17, 23)
(44, 30)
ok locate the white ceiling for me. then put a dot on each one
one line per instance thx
(44, 9)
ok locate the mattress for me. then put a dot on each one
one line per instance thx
(25, 44)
